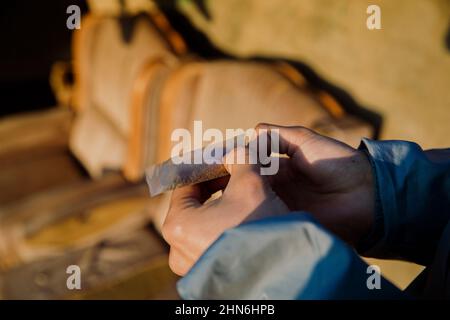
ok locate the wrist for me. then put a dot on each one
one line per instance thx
(372, 218)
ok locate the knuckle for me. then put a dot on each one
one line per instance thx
(172, 230)
(175, 264)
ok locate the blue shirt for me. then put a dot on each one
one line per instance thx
(294, 257)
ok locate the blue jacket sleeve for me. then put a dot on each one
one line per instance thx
(413, 200)
(286, 257)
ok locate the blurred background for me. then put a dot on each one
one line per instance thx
(85, 111)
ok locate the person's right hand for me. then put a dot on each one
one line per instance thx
(327, 178)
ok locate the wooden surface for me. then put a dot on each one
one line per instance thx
(52, 215)
(34, 155)
(128, 265)
(71, 216)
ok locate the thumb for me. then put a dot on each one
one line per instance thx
(290, 139)
(249, 188)
(246, 179)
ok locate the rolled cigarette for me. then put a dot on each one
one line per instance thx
(168, 176)
(173, 173)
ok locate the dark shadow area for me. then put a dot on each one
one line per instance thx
(33, 36)
(196, 41)
(349, 104)
(33, 39)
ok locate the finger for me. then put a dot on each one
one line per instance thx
(237, 162)
(290, 138)
(302, 145)
(179, 263)
(285, 173)
(299, 141)
(195, 195)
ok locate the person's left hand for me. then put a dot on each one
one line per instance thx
(192, 224)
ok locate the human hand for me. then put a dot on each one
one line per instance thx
(192, 224)
(322, 176)
(327, 178)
